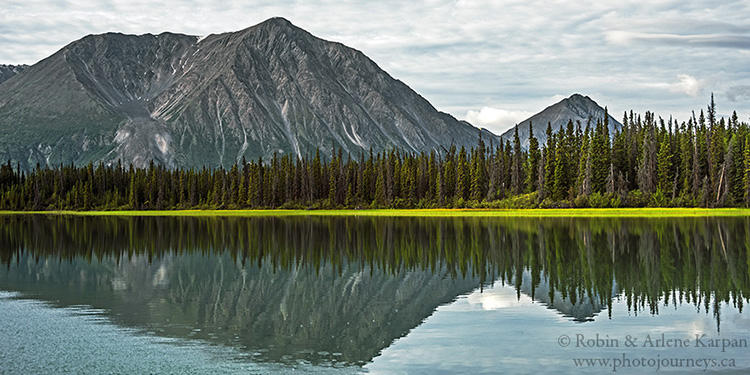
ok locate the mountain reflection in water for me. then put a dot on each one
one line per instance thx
(339, 290)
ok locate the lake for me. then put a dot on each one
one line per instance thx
(257, 295)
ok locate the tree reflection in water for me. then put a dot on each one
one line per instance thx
(340, 289)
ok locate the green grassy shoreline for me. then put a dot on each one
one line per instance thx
(570, 212)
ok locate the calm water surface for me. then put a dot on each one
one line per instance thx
(373, 295)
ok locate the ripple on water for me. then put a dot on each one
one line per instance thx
(41, 339)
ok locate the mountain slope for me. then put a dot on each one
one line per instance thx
(8, 71)
(575, 108)
(185, 101)
(289, 308)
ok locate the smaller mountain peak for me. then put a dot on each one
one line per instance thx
(579, 97)
(579, 100)
(276, 25)
(277, 22)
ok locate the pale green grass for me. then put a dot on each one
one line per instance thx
(574, 212)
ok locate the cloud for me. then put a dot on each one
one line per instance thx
(497, 297)
(461, 55)
(679, 26)
(737, 93)
(705, 40)
(495, 119)
(688, 85)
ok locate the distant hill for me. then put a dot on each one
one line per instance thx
(184, 101)
(576, 108)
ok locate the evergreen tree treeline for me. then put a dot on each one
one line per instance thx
(704, 162)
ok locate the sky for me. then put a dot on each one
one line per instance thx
(492, 63)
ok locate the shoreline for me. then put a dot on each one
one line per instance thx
(543, 212)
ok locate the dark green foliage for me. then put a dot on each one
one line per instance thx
(746, 178)
(700, 162)
(584, 165)
(478, 172)
(549, 161)
(516, 166)
(563, 177)
(532, 164)
(599, 157)
(698, 260)
(647, 167)
(664, 167)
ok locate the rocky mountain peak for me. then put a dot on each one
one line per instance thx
(183, 101)
(574, 108)
(578, 97)
(278, 22)
(581, 105)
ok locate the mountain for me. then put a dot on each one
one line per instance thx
(286, 314)
(8, 71)
(187, 101)
(276, 308)
(582, 309)
(576, 108)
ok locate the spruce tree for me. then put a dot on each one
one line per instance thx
(747, 171)
(507, 166)
(478, 172)
(379, 183)
(664, 167)
(516, 169)
(563, 174)
(599, 158)
(717, 151)
(549, 160)
(532, 163)
(133, 193)
(462, 177)
(449, 174)
(735, 160)
(317, 177)
(440, 190)
(584, 166)
(368, 177)
(647, 167)
(432, 173)
(561, 178)
(333, 179)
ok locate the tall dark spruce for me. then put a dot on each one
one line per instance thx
(675, 165)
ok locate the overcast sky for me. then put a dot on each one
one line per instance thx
(493, 63)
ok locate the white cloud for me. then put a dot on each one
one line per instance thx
(619, 37)
(461, 55)
(495, 119)
(735, 41)
(688, 85)
(497, 297)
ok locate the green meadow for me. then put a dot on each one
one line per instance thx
(565, 212)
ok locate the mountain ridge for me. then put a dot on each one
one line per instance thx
(574, 108)
(186, 101)
(8, 71)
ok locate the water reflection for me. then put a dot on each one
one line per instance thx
(339, 290)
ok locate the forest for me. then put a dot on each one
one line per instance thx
(650, 161)
(651, 264)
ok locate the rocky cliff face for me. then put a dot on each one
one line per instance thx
(575, 108)
(8, 71)
(185, 101)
